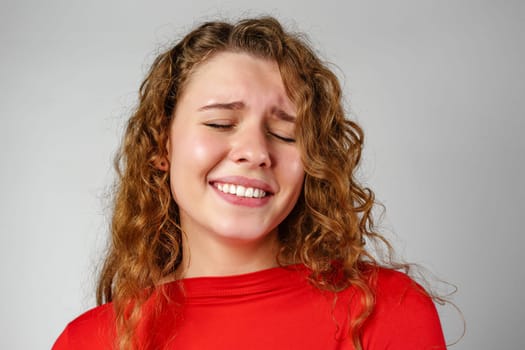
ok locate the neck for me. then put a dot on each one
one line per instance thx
(219, 256)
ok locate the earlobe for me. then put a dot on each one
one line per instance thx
(161, 163)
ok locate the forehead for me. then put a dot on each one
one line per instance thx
(234, 75)
(228, 61)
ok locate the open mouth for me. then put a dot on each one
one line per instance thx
(241, 191)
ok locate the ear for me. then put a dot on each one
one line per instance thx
(160, 160)
(161, 163)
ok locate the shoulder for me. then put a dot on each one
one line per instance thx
(394, 287)
(94, 329)
(404, 315)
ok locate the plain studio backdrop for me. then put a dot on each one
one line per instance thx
(437, 85)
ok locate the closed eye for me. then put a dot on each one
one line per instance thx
(225, 127)
(219, 126)
(281, 138)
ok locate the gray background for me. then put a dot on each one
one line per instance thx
(437, 85)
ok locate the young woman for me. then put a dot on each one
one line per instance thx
(238, 222)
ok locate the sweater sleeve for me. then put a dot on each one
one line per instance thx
(62, 342)
(404, 317)
(94, 329)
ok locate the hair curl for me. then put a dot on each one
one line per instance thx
(326, 230)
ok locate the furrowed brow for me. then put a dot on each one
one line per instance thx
(237, 105)
(284, 116)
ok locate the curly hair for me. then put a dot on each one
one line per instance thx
(328, 227)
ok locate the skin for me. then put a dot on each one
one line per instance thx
(233, 124)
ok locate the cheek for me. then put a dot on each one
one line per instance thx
(294, 169)
(202, 152)
(191, 159)
(207, 150)
(193, 155)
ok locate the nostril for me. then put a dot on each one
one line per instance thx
(250, 150)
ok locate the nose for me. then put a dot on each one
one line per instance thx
(250, 147)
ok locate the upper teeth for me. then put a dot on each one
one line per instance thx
(241, 191)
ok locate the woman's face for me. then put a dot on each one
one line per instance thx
(235, 170)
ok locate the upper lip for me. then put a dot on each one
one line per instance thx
(246, 182)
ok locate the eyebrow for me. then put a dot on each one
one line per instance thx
(238, 105)
(229, 106)
(283, 115)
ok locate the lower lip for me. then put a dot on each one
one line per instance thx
(242, 201)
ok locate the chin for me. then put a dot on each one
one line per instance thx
(247, 235)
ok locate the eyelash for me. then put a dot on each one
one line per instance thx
(219, 126)
(228, 126)
(284, 139)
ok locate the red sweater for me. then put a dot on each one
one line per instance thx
(271, 309)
